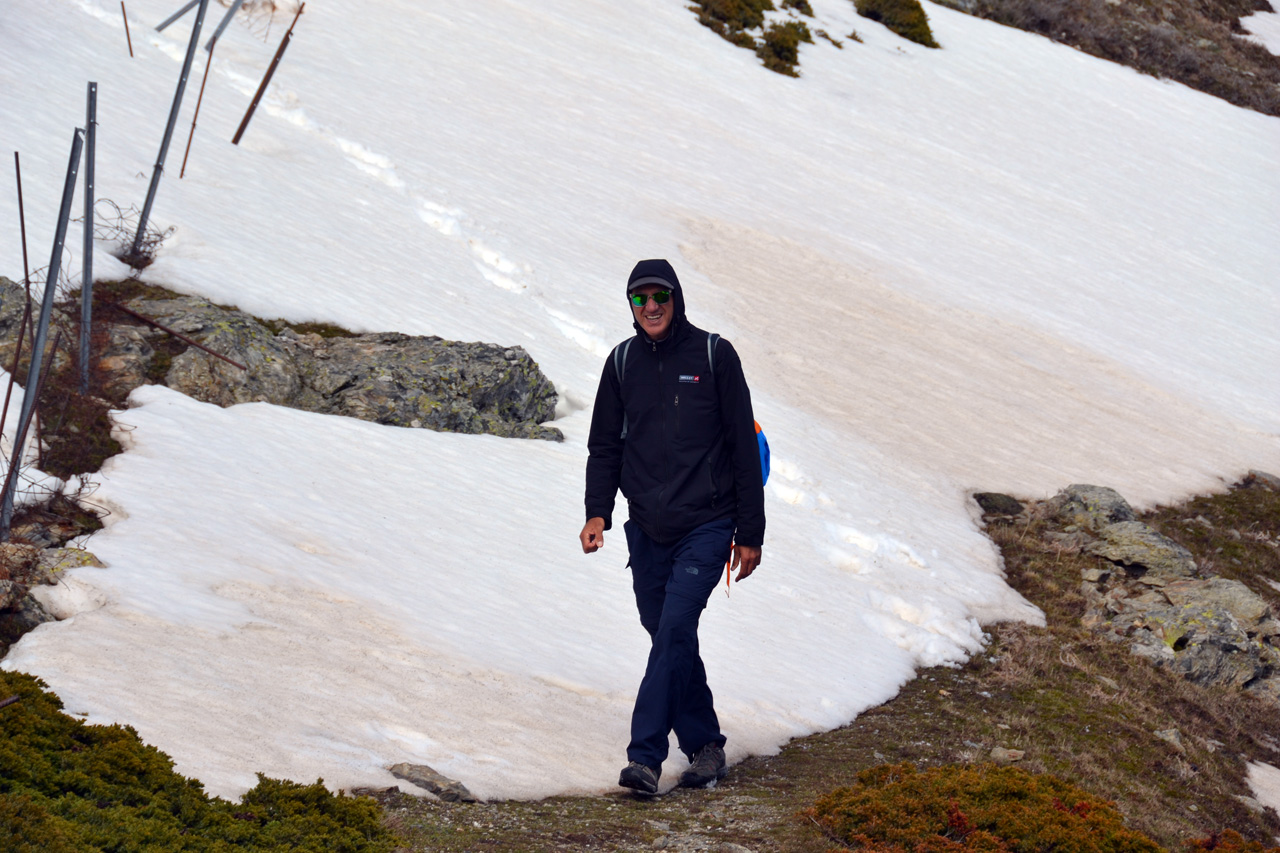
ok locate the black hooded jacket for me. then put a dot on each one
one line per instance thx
(690, 453)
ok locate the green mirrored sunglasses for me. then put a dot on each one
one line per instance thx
(641, 299)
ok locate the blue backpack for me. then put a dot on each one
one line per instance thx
(620, 368)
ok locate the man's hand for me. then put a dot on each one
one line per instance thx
(745, 559)
(592, 536)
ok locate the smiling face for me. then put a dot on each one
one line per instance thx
(655, 319)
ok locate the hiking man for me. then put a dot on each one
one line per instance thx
(673, 428)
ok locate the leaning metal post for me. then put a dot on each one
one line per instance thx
(226, 19)
(42, 332)
(168, 130)
(176, 15)
(266, 80)
(26, 309)
(86, 280)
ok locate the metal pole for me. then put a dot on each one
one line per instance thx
(27, 319)
(208, 62)
(168, 130)
(86, 280)
(128, 38)
(11, 477)
(275, 60)
(26, 311)
(22, 221)
(42, 331)
(226, 19)
(176, 15)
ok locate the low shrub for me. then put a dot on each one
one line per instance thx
(69, 787)
(779, 50)
(1230, 841)
(980, 808)
(731, 18)
(904, 17)
(801, 6)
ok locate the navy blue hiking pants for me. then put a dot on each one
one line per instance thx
(672, 584)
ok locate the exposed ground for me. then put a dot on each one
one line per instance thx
(1199, 43)
(1076, 705)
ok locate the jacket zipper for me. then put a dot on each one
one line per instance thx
(665, 456)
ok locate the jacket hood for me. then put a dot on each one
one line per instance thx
(658, 271)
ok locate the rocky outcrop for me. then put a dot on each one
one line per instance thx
(1090, 507)
(1149, 592)
(449, 790)
(388, 378)
(23, 568)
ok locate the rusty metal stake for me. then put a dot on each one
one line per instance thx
(177, 335)
(208, 61)
(271, 69)
(127, 37)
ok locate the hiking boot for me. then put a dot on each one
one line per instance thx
(708, 767)
(641, 778)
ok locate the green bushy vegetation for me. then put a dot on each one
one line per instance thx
(731, 19)
(899, 809)
(904, 17)
(69, 787)
(779, 50)
(739, 21)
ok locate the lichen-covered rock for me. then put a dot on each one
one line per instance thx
(1090, 507)
(13, 299)
(1138, 546)
(387, 378)
(427, 382)
(449, 790)
(126, 360)
(271, 377)
(1150, 596)
(21, 614)
(1212, 631)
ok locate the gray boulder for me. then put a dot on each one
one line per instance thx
(1090, 507)
(388, 378)
(427, 382)
(1262, 478)
(1143, 550)
(126, 362)
(13, 298)
(1211, 630)
(994, 503)
(449, 790)
(271, 377)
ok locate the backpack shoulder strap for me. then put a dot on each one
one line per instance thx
(712, 340)
(620, 359)
(620, 368)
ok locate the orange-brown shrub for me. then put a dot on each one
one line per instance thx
(974, 809)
